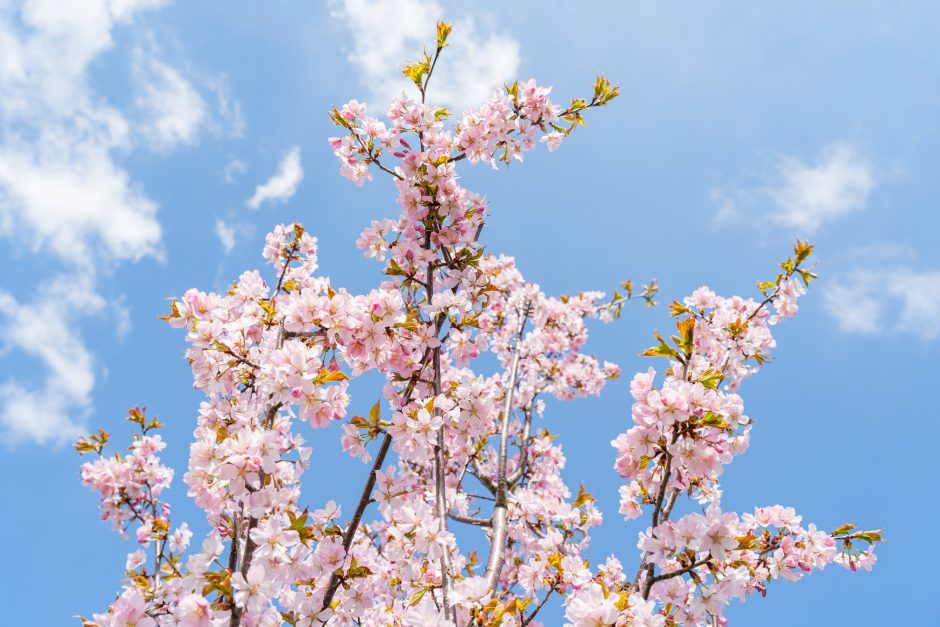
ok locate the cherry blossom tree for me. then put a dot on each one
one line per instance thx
(447, 445)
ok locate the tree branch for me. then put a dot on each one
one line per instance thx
(470, 520)
(676, 573)
(528, 619)
(522, 468)
(366, 496)
(501, 508)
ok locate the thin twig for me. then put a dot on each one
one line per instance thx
(676, 573)
(538, 607)
(470, 520)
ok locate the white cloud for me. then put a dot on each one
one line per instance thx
(854, 304)
(282, 186)
(226, 235)
(68, 196)
(388, 33)
(873, 302)
(63, 196)
(44, 330)
(810, 196)
(805, 197)
(174, 111)
(58, 183)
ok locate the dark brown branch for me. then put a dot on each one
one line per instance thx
(528, 619)
(290, 255)
(233, 550)
(676, 573)
(661, 494)
(366, 497)
(645, 565)
(485, 481)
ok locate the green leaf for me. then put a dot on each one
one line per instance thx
(663, 350)
(359, 422)
(712, 419)
(298, 523)
(870, 536)
(394, 269)
(676, 309)
(711, 378)
(807, 276)
(355, 570)
(766, 287)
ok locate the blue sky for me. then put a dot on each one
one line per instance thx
(136, 137)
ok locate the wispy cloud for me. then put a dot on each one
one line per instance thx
(283, 184)
(803, 197)
(226, 235)
(230, 231)
(230, 120)
(174, 112)
(386, 33)
(232, 170)
(880, 290)
(875, 302)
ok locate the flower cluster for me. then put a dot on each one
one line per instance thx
(683, 433)
(450, 441)
(129, 486)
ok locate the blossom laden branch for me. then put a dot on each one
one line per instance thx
(274, 356)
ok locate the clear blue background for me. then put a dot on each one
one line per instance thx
(712, 93)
